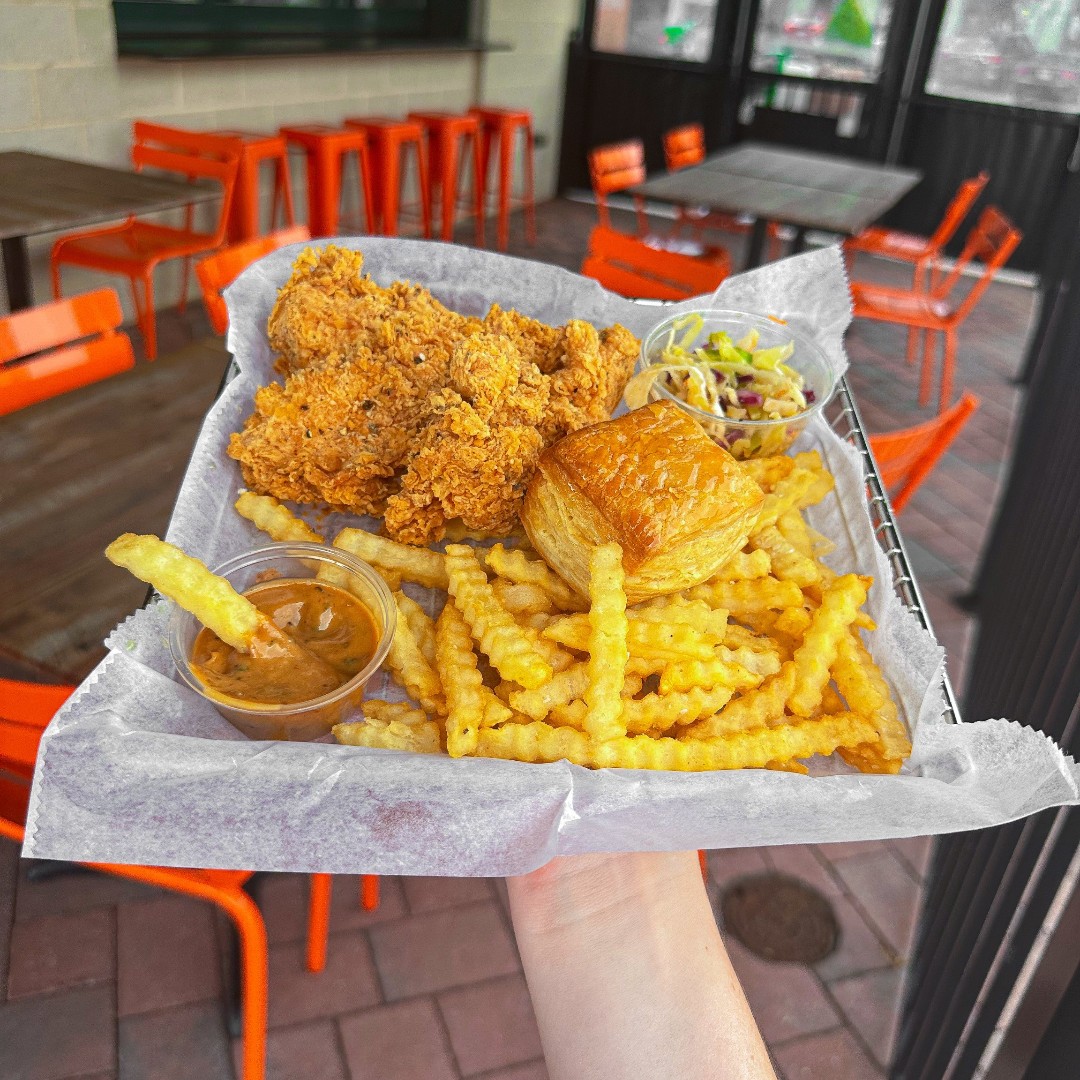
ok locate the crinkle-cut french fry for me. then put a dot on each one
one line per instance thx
(765, 623)
(864, 688)
(684, 675)
(759, 708)
(516, 566)
(420, 623)
(789, 766)
(496, 711)
(762, 664)
(608, 650)
(788, 563)
(794, 621)
(661, 712)
(419, 565)
(816, 591)
(563, 688)
(506, 644)
(769, 471)
(708, 621)
(420, 736)
(462, 683)
(410, 668)
(377, 709)
(795, 531)
(187, 581)
(521, 598)
(277, 521)
(739, 637)
(788, 494)
(840, 604)
(742, 597)
(540, 742)
(832, 702)
(670, 641)
(744, 566)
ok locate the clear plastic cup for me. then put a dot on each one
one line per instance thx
(306, 719)
(749, 438)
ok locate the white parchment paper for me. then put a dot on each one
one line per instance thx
(136, 768)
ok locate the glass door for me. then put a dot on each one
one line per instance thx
(1025, 54)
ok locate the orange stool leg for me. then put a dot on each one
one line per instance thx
(146, 317)
(254, 967)
(506, 161)
(318, 920)
(363, 165)
(704, 865)
(243, 223)
(54, 270)
(389, 179)
(369, 891)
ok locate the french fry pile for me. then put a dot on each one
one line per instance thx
(762, 666)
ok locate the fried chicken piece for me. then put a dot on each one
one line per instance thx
(335, 433)
(393, 403)
(464, 467)
(328, 307)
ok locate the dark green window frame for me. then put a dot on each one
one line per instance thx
(195, 28)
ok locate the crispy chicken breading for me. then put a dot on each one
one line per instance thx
(393, 404)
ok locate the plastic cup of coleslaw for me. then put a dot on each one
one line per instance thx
(747, 438)
(283, 563)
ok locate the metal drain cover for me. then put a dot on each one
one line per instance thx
(780, 918)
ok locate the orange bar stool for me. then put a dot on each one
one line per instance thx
(450, 139)
(256, 150)
(500, 126)
(390, 141)
(325, 150)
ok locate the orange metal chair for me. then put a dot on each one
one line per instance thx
(255, 150)
(498, 130)
(632, 268)
(614, 168)
(451, 140)
(685, 146)
(389, 141)
(325, 149)
(922, 251)
(41, 354)
(906, 458)
(25, 711)
(134, 248)
(218, 271)
(992, 241)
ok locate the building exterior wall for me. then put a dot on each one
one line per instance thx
(63, 91)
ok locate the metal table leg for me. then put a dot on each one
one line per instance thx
(757, 244)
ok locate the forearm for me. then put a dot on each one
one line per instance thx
(628, 974)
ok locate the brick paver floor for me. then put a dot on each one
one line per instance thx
(101, 978)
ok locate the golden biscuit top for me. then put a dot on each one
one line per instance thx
(655, 477)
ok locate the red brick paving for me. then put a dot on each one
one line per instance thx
(429, 986)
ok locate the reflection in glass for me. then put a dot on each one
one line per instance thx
(675, 29)
(1009, 52)
(822, 39)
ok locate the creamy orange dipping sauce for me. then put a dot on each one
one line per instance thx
(329, 622)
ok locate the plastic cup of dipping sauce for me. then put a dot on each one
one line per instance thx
(329, 602)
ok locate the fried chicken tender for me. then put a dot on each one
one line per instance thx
(393, 404)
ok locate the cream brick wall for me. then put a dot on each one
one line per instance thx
(64, 91)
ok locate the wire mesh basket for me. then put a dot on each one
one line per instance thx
(845, 420)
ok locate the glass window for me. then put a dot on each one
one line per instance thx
(675, 29)
(822, 39)
(1009, 52)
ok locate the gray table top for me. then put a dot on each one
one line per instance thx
(40, 193)
(817, 191)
